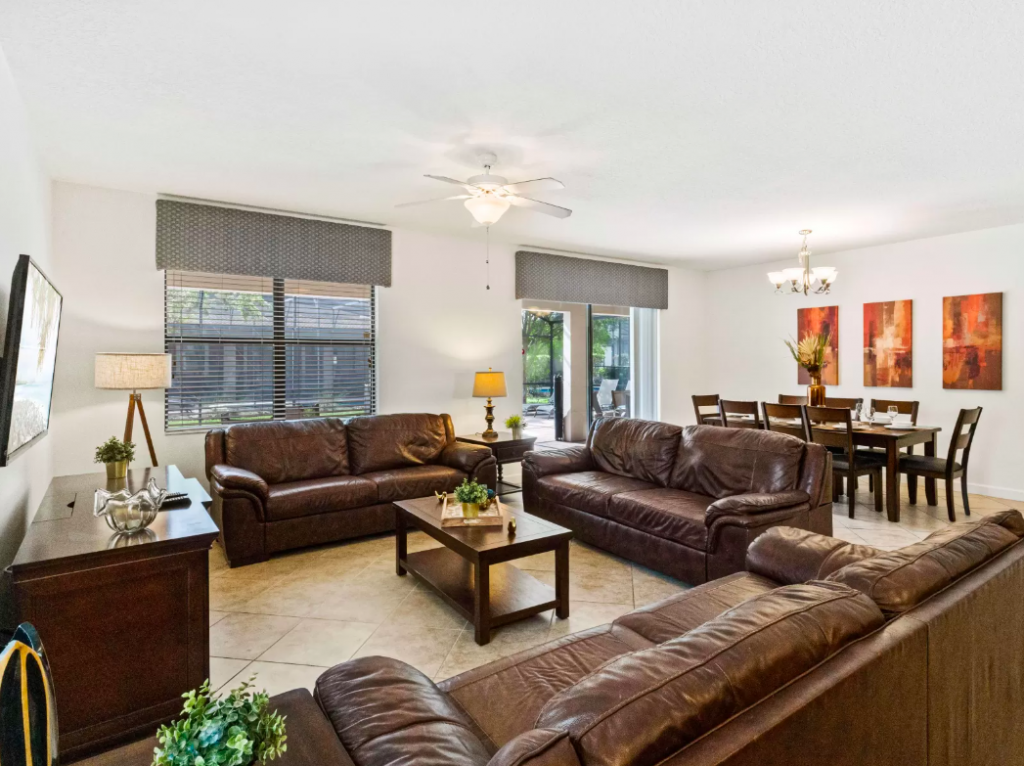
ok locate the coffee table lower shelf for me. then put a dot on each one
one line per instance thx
(509, 594)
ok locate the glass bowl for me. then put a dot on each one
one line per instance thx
(125, 512)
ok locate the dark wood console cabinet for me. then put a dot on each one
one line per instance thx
(125, 621)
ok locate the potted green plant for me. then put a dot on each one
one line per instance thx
(515, 424)
(809, 353)
(116, 455)
(472, 495)
(237, 730)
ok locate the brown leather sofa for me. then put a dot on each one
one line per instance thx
(823, 653)
(290, 484)
(684, 501)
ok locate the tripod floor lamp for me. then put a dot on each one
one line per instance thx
(134, 372)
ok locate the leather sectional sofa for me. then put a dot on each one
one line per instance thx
(290, 484)
(822, 653)
(684, 501)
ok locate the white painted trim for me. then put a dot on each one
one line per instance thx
(1002, 493)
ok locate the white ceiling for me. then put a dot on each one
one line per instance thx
(700, 133)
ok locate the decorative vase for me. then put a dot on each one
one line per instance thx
(125, 512)
(517, 432)
(815, 391)
(470, 510)
(117, 469)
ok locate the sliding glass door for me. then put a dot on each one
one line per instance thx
(610, 362)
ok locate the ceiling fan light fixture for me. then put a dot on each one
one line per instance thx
(487, 208)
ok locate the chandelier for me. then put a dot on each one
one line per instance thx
(804, 279)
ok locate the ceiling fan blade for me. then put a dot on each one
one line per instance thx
(538, 206)
(536, 185)
(447, 180)
(437, 199)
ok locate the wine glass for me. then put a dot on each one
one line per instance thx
(867, 412)
(893, 411)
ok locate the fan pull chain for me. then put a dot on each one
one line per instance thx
(488, 258)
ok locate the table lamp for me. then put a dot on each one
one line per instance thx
(488, 384)
(134, 372)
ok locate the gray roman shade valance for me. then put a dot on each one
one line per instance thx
(542, 276)
(223, 240)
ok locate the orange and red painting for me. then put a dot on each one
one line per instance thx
(889, 344)
(972, 342)
(823, 320)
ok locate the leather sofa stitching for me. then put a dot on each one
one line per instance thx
(600, 719)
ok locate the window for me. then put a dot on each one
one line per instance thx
(253, 348)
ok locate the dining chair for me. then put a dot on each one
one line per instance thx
(788, 399)
(839, 401)
(787, 413)
(731, 407)
(904, 407)
(706, 418)
(948, 469)
(851, 462)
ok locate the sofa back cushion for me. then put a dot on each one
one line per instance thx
(291, 450)
(381, 442)
(642, 707)
(640, 449)
(720, 462)
(902, 579)
(789, 555)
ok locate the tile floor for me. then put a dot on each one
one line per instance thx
(297, 614)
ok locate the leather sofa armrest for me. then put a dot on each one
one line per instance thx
(539, 747)
(231, 478)
(568, 460)
(754, 503)
(791, 556)
(465, 457)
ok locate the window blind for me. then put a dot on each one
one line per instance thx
(547, 277)
(251, 348)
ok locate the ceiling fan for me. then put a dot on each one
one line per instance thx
(488, 196)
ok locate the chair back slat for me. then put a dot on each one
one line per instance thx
(28, 711)
(774, 413)
(701, 401)
(816, 415)
(844, 403)
(788, 399)
(731, 407)
(902, 406)
(961, 440)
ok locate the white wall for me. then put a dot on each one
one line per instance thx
(745, 324)
(24, 228)
(437, 324)
(682, 339)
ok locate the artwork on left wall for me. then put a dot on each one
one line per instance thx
(822, 320)
(889, 344)
(972, 342)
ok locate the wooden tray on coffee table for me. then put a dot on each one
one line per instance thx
(470, 572)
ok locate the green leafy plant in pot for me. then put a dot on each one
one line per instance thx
(515, 424)
(116, 455)
(237, 730)
(473, 496)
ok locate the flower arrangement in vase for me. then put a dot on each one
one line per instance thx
(809, 353)
(473, 496)
(514, 423)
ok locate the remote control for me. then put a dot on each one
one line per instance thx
(176, 498)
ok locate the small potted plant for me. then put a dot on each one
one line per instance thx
(515, 424)
(809, 353)
(237, 730)
(473, 496)
(116, 455)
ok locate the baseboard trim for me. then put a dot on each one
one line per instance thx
(1003, 493)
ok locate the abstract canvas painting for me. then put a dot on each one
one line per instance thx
(823, 320)
(972, 342)
(888, 344)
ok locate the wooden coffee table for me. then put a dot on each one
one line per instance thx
(470, 572)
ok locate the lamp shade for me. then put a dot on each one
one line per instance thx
(489, 383)
(487, 209)
(132, 372)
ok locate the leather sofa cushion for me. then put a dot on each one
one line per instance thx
(294, 499)
(641, 708)
(415, 481)
(789, 555)
(671, 514)
(641, 449)
(504, 697)
(672, 617)
(587, 490)
(386, 712)
(538, 747)
(719, 462)
(902, 579)
(291, 450)
(380, 442)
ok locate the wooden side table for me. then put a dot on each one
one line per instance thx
(506, 449)
(124, 620)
